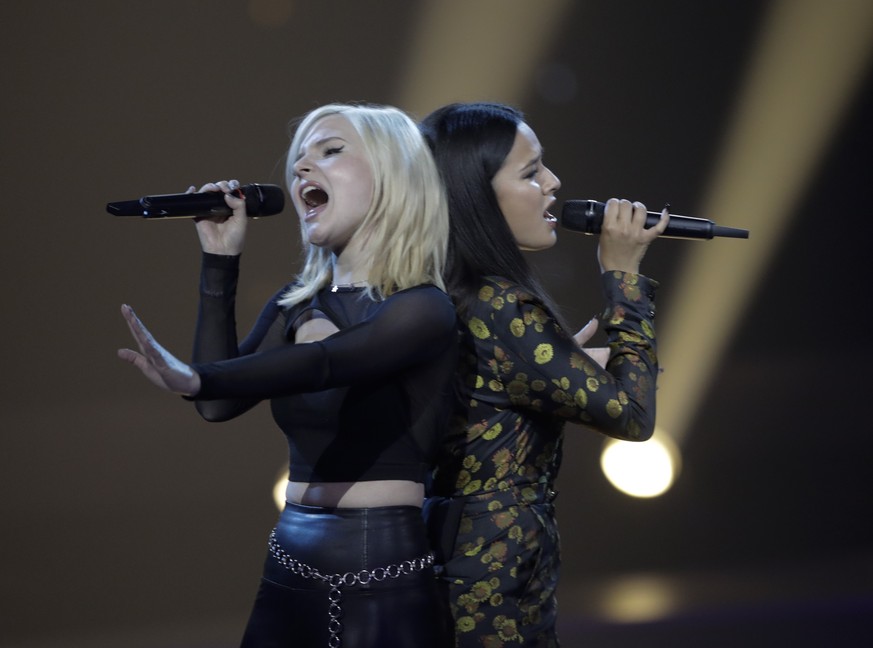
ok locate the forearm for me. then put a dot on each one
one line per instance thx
(215, 336)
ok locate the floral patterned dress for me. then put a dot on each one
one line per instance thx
(521, 378)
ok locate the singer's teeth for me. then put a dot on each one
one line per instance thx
(313, 196)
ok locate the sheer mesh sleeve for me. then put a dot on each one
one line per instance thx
(542, 369)
(407, 329)
(215, 335)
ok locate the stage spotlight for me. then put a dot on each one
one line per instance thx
(641, 469)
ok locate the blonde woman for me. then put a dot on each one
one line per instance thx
(356, 356)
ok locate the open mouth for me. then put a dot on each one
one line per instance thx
(549, 217)
(313, 197)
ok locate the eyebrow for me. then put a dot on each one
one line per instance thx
(533, 161)
(320, 142)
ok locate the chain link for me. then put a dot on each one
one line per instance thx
(349, 579)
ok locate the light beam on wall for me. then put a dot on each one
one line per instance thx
(808, 64)
(485, 50)
(809, 61)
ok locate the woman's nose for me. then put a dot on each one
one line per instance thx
(302, 166)
(552, 183)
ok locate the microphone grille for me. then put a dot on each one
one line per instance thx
(264, 199)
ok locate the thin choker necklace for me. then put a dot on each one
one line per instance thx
(347, 287)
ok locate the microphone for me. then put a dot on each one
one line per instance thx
(586, 216)
(261, 200)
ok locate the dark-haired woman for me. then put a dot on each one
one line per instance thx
(522, 374)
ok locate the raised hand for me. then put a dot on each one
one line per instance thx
(599, 354)
(156, 363)
(624, 238)
(223, 234)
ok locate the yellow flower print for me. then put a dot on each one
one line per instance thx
(592, 384)
(504, 519)
(463, 479)
(581, 398)
(470, 604)
(501, 457)
(481, 590)
(631, 292)
(543, 353)
(517, 389)
(539, 315)
(496, 600)
(486, 293)
(647, 329)
(477, 328)
(538, 385)
(617, 316)
(613, 408)
(493, 432)
(474, 549)
(515, 533)
(479, 382)
(495, 385)
(516, 327)
(563, 382)
(506, 628)
(465, 624)
(528, 494)
(497, 303)
(471, 463)
(473, 486)
(491, 641)
(631, 337)
(577, 360)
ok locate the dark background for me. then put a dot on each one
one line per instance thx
(126, 520)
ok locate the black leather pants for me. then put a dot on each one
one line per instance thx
(377, 610)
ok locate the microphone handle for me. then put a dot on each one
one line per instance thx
(172, 206)
(586, 216)
(261, 200)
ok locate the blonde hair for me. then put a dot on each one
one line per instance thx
(407, 223)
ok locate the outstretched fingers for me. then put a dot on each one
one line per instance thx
(157, 364)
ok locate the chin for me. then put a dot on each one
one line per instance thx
(537, 246)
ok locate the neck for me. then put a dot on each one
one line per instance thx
(348, 270)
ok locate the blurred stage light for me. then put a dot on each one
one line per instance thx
(279, 488)
(637, 600)
(641, 469)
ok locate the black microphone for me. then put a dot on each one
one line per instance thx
(586, 216)
(261, 200)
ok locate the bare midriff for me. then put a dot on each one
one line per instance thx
(390, 492)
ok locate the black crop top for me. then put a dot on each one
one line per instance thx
(367, 403)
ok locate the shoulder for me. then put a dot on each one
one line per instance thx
(503, 307)
(424, 301)
(499, 294)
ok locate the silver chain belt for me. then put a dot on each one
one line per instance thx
(337, 581)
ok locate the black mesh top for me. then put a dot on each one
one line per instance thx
(367, 403)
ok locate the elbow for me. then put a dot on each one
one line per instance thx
(213, 412)
(634, 428)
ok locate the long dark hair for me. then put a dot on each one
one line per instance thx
(470, 142)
